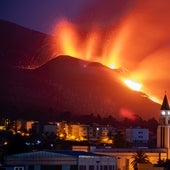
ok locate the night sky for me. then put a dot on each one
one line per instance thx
(138, 34)
(42, 15)
(39, 14)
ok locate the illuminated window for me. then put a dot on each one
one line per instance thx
(168, 112)
(163, 112)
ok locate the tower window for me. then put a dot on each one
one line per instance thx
(169, 121)
(163, 112)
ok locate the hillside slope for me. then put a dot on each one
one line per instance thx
(69, 84)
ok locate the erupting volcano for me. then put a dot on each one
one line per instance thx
(93, 46)
(137, 41)
(118, 44)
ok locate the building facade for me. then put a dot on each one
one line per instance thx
(163, 130)
(137, 137)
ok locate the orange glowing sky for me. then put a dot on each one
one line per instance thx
(139, 42)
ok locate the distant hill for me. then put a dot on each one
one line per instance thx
(61, 84)
(23, 47)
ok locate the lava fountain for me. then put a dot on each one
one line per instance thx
(92, 45)
(114, 47)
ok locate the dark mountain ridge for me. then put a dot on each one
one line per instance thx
(23, 47)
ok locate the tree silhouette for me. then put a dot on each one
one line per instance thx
(139, 157)
(119, 140)
(17, 145)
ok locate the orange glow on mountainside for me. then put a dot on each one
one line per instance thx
(154, 99)
(112, 66)
(127, 113)
(131, 44)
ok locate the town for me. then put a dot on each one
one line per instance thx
(24, 140)
(95, 134)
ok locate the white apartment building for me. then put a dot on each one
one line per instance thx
(137, 136)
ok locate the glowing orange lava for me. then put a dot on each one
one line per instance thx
(133, 84)
(91, 47)
(67, 39)
(154, 99)
(109, 49)
(112, 66)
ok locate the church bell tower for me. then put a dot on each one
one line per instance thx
(163, 131)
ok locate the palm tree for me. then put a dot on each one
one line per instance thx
(139, 157)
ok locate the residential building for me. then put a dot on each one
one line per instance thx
(137, 137)
(76, 131)
(62, 130)
(82, 132)
(100, 133)
(50, 128)
(28, 125)
(37, 128)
